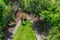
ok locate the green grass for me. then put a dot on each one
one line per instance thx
(25, 32)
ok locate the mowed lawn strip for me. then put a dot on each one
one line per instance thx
(25, 32)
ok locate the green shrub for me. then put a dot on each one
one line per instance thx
(2, 8)
(52, 16)
(35, 6)
(4, 12)
(6, 1)
(54, 34)
(11, 24)
(1, 35)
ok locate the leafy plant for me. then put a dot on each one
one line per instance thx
(2, 8)
(4, 12)
(54, 34)
(11, 24)
(49, 11)
(6, 1)
(34, 6)
(1, 35)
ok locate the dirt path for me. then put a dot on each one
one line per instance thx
(15, 29)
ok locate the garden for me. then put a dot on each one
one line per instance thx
(30, 19)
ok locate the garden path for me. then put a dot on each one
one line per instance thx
(14, 29)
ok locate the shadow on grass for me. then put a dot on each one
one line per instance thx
(41, 27)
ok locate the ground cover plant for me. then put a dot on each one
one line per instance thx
(25, 32)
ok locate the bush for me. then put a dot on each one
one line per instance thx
(2, 8)
(12, 18)
(6, 1)
(54, 34)
(52, 16)
(34, 6)
(4, 13)
(1, 35)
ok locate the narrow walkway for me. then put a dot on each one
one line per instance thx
(18, 22)
(15, 29)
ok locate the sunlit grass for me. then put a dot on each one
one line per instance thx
(25, 32)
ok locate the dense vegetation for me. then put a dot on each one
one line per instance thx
(25, 32)
(4, 13)
(49, 10)
(6, 2)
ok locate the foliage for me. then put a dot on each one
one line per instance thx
(54, 34)
(49, 10)
(12, 17)
(34, 6)
(2, 8)
(4, 12)
(1, 35)
(25, 32)
(52, 15)
(6, 1)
